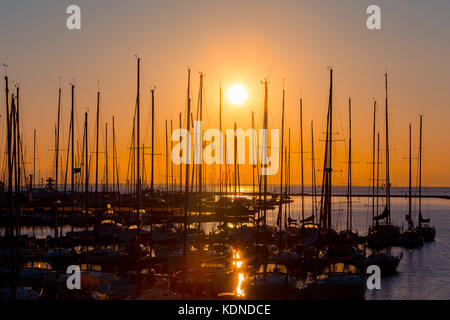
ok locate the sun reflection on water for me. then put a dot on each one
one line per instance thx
(238, 263)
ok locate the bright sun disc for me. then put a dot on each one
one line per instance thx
(237, 94)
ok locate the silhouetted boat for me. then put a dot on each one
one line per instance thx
(424, 229)
(340, 281)
(386, 261)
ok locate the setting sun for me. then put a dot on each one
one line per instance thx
(237, 94)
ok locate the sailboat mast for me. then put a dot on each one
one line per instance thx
(235, 162)
(8, 125)
(330, 133)
(187, 202)
(57, 141)
(18, 139)
(373, 159)
(171, 162)
(280, 205)
(86, 164)
(106, 159)
(34, 157)
(114, 155)
(288, 179)
(301, 157)
(200, 167)
(420, 173)
(10, 229)
(220, 143)
(153, 141)
(378, 170)
(181, 155)
(138, 131)
(349, 203)
(327, 170)
(289, 163)
(72, 182)
(410, 180)
(265, 150)
(167, 162)
(388, 182)
(96, 149)
(10, 165)
(313, 173)
(253, 152)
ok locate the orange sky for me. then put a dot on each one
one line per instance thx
(238, 41)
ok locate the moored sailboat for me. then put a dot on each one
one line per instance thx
(428, 232)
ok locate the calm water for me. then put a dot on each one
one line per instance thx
(423, 273)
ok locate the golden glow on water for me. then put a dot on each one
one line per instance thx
(239, 290)
(237, 261)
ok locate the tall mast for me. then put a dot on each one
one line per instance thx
(373, 159)
(200, 169)
(280, 205)
(288, 177)
(187, 200)
(14, 163)
(301, 157)
(327, 170)
(349, 184)
(265, 149)
(167, 162)
(420, 173)
(114, 155)
(72, 182)
(34, 158)
(153, 140)
(388, 182)
(14, 137)
(96, 149)
(18, 138)
(10, 166)
(144, 175)
(117, 160)
(171, 162)
(57, 140)
(10, 188)
(410, 182)
(378, 170)
(86, 164)
(220, 143)
(285, 183)
(106, 158)
(235, 162)
(181, 156)
(255, 164)
(313, 174)
(137, 146)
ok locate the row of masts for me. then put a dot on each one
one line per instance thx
(198, 170)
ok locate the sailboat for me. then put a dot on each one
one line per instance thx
(428, 232)
(340, 281)
(410, 238)
(383, 233)
(348, 233)
(309, 231)
(272, 281)
(384, 260)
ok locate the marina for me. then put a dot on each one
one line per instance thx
(185, 242)
(224, 157)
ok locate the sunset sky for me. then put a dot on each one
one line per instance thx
(237, 42)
